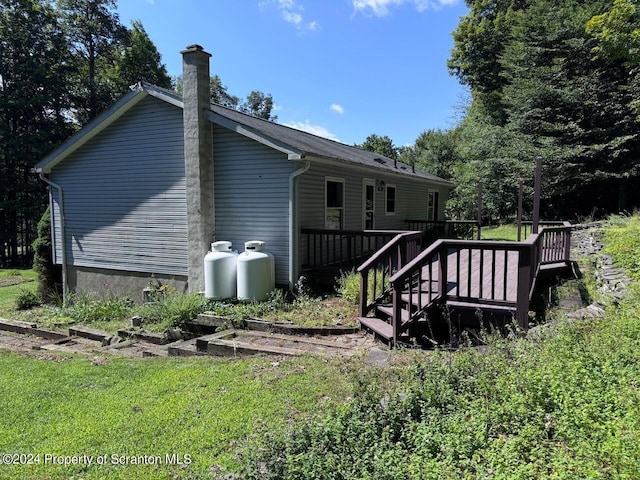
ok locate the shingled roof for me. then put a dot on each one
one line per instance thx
(296, 142)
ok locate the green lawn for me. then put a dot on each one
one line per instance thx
(12, 282)
(199, 409)
(502, 232)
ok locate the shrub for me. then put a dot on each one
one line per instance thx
(27, 299)
(49, 274)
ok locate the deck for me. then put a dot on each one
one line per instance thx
(492, 276)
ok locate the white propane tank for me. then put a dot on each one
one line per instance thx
(256, 272)
(220, 271)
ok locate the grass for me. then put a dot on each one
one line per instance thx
(500, 233)
(204, 408)
(12, 282)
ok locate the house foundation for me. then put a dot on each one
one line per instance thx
(119, 283)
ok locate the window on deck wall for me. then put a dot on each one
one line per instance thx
(432, 205)
(334, 204)
(390, 200)
(368, 203)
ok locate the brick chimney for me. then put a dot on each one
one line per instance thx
(198, 158)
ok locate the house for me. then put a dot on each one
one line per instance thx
(144, 189)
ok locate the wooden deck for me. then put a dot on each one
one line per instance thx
(487, 275)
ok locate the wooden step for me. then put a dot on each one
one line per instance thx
(424, 298)
(388, 311)
(377, 326)
(482, 306)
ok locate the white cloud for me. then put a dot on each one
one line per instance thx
(292, 12)
(337, 108)
(293, 18)
(277, 108)
(309, 127)
(380, 8)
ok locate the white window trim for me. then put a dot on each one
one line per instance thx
(368, 182)
(344, 200)
(395, 203)
(435, 207)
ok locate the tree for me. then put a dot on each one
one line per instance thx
(259, 105)
(618, 35)
(541, 92)
(380, 145)
(220, 94)
(436, 152)
(96, 36)
(139, 61)
(49, 274)
(33, 102)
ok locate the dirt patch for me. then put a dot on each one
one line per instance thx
(20, 343)
(12, 280)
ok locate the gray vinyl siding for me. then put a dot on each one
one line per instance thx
(251, 184)
(124, 195)
(411, 197)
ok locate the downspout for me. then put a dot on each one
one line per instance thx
(62, 236)
(294, 230)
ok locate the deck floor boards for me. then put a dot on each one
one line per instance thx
(479, 275)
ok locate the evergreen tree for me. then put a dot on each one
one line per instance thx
(139, 61)
(49, 274)
(33, 102)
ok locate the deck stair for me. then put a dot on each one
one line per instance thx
(402, 289)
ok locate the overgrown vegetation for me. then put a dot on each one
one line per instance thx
(565, 405)
(173, 309)
(623, 242)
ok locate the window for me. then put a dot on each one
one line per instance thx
(432, 205)
(334, 204)
(390, 200)
(368, 203)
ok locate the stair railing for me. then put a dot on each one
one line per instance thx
(376, 271)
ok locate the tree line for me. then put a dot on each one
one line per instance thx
(62, 63)
(554, 79)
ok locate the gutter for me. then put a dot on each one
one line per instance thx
(62, 235)
(294, 230)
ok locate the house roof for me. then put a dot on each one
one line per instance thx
(296, 143)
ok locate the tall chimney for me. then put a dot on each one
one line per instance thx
(198, 159)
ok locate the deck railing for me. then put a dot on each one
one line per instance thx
(481, 273)
(461, 229)
(376, 271)
(342, 248)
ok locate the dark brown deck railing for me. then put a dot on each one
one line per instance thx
(461, 229)
(376, 271)
(342, 248)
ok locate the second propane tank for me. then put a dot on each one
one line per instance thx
(255, 272)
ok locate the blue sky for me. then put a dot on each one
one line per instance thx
(342, 69)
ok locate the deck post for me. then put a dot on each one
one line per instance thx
(364, 292)
(567, 244)
(396, 318)
(479, 209)
(442, 274)
(536, 195)
(520, 211)
(524, 279)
